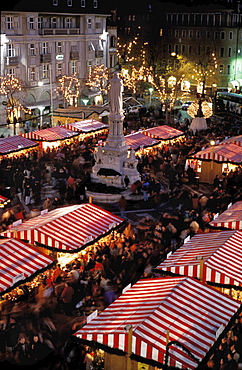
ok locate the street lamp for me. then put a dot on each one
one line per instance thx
(151, 91)
(41, 109)
(212, 143)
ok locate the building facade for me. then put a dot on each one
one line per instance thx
(39, 47)
(210, 38)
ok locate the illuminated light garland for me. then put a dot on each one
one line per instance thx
(193, 109)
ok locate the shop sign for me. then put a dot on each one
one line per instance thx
(18, 278)
(59, 56)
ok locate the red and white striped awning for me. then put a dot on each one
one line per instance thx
(3, 200)
(221, 252)
(230, 153)
(19, 261)
(87, 125)
(138, 140)
(163, 132)
(67, 229)
(190, 310)
(237, 140)
(231, 218)
(51, 134)
(16, 143)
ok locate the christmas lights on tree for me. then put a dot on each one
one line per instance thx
(69, 89)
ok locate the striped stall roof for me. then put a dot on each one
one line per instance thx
(88, 125)
(190, 310)
(68, 228)
(163, 132)
(19, 261)
(3, 199)
(237, 140)
(221, 153)
(51, 134)
(15, 144)
(221, 252)
(231, 218)
(138, 140)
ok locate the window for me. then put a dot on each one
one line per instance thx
(231, 35)
(32, 74)
(10, 50)
(113, 41)
(228, 69)
(221, 69)
(9, 23)
(59, 69)
(98, 25)
(59, 47)
(190, 34)
(221, 54)
(31, 49)
(31, 23)
(45, 71)
(83, 3)
(73, 68)
(176, 33)
(68, 22)
(229, 52)
(40, 23)
(69, 2)
(183, 48)
(183, 33)
(55, 2)
(215, 34)
(222, 35)
(198, 35)
(133, 18)
(189, 49)
(208, 34)
(11, 71)
(94, 3)
(45, 48)
(53, 22)
(89, 23)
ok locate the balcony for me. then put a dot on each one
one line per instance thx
(45, 58)
(74, 55)
(59, 31)
(11, 61)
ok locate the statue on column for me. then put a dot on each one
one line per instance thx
(115, 95)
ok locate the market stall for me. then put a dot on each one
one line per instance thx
(20, 262)
(229, 219)
(15, 146)
(237, 140)
(4, 201)
(52, 137)
(164, 133)
(155, 314)
(67, 229)
(211, 257)
(215, 160)
(140, 143)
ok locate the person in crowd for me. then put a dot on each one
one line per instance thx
(122, 205)
(66, 297)
(48, 204)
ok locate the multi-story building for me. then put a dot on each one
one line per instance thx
(210, 38)
(58, 39)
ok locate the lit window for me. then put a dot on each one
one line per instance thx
(221, 69)
(59, 69)
(31, 23)
(32, 74)
(45, 70)
(133, 18)
(9, 23)
(94, 3)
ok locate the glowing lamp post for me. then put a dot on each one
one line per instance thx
(212, 143)
(151, 91)
(41, 109)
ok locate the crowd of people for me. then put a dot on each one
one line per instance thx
(31, 331)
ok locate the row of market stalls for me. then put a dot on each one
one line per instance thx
(175, 320)
(172, 320)
(214, 160)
